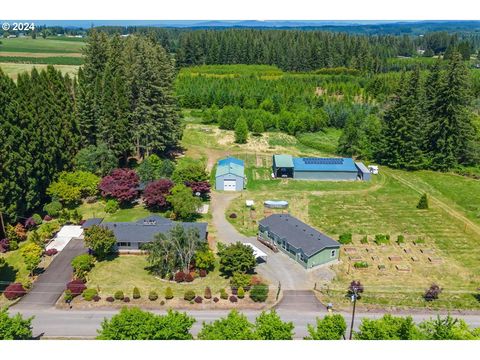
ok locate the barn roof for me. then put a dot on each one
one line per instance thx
(325, 164)
(230, 166)
(285, 161)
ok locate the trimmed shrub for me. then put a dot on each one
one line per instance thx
(400, 239)
(47, 218)
(168, 293)
(77, 287)
(180, 277)
(208, 293)
(12, 245)
(345, 238)
(233, 216)
(364, 240)
(51, 252)
(216, 299)
(223, 294)
(89, 294)
(14, 291)
(240, 293)
(37, 218)
(110, 299)
(152, 296)
(198, 299)
(259, 293)
(189, 295)
(233, 299)
(188, 278)
(96, 298)
(118, 295)
(202, 273)
(126, 299)
(136, 293)
(360, 265)
(67, 296)
(162, 302)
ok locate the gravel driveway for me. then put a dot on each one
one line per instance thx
(279, 267)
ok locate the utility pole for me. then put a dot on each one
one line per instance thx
(354, 299)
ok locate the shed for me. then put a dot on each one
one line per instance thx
(363, 171)
(283, 166)
(230, 175)
(63, 237)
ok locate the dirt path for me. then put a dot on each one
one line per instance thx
(445, 207)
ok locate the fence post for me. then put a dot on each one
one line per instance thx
(278, 290)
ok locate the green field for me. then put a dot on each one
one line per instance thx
(50, 45)
(13, 69)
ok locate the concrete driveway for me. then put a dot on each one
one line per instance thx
(278, 267)
(293, 300)
(50, 285)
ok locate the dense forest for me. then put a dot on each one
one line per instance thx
(407, 112)
(122, 105)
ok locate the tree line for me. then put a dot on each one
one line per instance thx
(136, 324)
(121, 105)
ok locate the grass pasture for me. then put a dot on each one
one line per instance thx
(14, 69)
(49, 45)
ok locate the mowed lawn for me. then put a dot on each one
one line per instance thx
(127, 271)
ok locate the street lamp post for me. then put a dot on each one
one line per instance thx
(354, 300)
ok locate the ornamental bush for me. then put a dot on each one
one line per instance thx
(121, 185)
(67, 296)
(89, 294)
(216, 299)
(259, 293)
(345, 238)
(14, 291)
(188, 278)
(382, 239)
(423, 202)
(360, 265)
(96, 298)
(202, 273)
(76, 286)
(156, 192)
(180, 277)
(240, 293)
(126, 299)
(136, 293)
(198, 299)
(152, 296)
(208, 293)
(432, 293)
(233, 299)
(119, 295)
(110, 299)
(51, 252)
(232, 216)
(400, 239)
(162, 302)
(53, 208)
(189, 295)
(168, 293)
(240, 280)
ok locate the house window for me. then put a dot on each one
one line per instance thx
(333, 253)
(124, 244)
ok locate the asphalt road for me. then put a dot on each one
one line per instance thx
(51, 284)
(54, 323)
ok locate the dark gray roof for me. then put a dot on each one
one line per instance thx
(90, 222)
(144, 230)
(298, 234)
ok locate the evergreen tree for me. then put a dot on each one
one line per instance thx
(241, 131)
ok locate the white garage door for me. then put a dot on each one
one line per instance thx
(229, 185)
